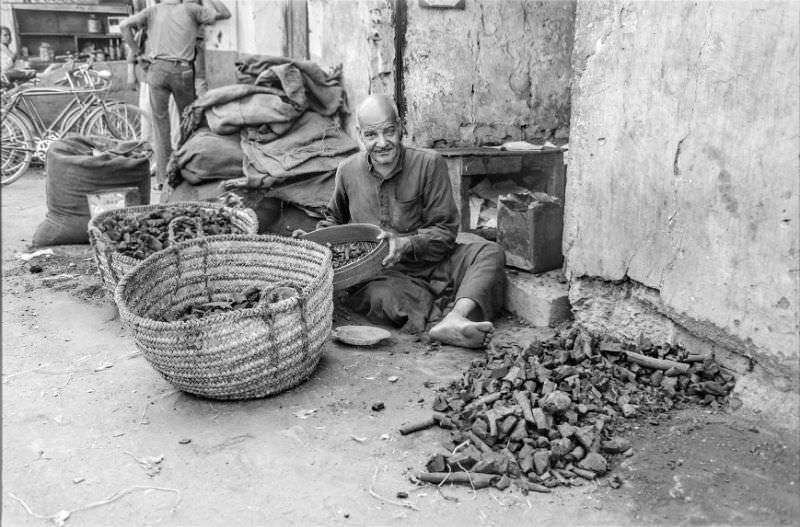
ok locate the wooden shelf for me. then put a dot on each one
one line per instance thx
(72, 35)
(65, 26)
(110, 9)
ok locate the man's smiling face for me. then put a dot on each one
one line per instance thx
(382, 142)
(380, 134)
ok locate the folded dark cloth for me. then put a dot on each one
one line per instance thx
(313, 144)
(323, 92)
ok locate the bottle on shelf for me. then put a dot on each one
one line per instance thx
(93, 24)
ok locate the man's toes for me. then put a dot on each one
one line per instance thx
(485, 326)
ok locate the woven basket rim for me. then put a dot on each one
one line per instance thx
(260, 309)
(93, 226)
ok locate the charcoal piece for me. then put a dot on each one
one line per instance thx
(507, 425)
(561, 447)
(555, 402)
(541, 419)
(437, 463)
(503, 483)
(576, 454)
(616, 445)
(480, 428)
(566, 429)
(440, 404)
(594, 462)
(492, 463)
(585, 436)
(541, 461)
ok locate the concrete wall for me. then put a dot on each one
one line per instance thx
(498, 70)
(684, 181)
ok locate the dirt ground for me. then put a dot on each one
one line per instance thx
(86, 418)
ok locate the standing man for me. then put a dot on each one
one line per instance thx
(406, 192)
(172, 29)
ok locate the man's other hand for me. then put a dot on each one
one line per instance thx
(398, 247)
(298, 232)
(132, 83)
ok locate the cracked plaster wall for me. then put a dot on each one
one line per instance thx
(359, 35)
(496, 71)
(684, 175)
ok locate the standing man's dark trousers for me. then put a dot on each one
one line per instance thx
(165, 77)
(474, 270)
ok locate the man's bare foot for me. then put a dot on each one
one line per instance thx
(457, 330)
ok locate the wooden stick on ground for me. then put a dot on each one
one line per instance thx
(416, 427)
(478, 481)
(656, 364)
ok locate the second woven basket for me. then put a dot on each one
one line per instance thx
(113, 265)
(239, 354)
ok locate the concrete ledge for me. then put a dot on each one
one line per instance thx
(539, 299)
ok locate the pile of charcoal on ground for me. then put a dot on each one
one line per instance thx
(142, 235)
(552, 413)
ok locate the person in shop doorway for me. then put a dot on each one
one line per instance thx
(8, 71)
(172, 29)
(406, 192)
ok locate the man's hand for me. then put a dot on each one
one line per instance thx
(298, 232)
(248, 181)
(132, 82)
(398, 247)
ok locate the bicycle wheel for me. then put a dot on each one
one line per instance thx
(17, 147)
(74, 121)
(119, 120)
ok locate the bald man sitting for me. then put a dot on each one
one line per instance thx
(406, 192)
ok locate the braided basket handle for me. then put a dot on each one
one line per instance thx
(174, 222)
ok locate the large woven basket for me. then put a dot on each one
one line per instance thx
(238, 354)
(113, 265)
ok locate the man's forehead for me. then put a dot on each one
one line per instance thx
(378, 126)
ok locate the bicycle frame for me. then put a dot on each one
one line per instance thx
(84, 100)
(24, 105)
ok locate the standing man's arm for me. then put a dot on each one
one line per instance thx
(134, 21)
(218, 11)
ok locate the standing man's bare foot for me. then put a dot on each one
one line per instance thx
(457, 330)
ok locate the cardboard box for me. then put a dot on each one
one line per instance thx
(529, 227)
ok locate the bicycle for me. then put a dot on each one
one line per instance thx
(26, 138)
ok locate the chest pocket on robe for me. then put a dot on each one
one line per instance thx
(407, 214)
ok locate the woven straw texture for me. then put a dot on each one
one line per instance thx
(239, 354)
(113, 265)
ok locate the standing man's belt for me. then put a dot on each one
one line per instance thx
(177, 62)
